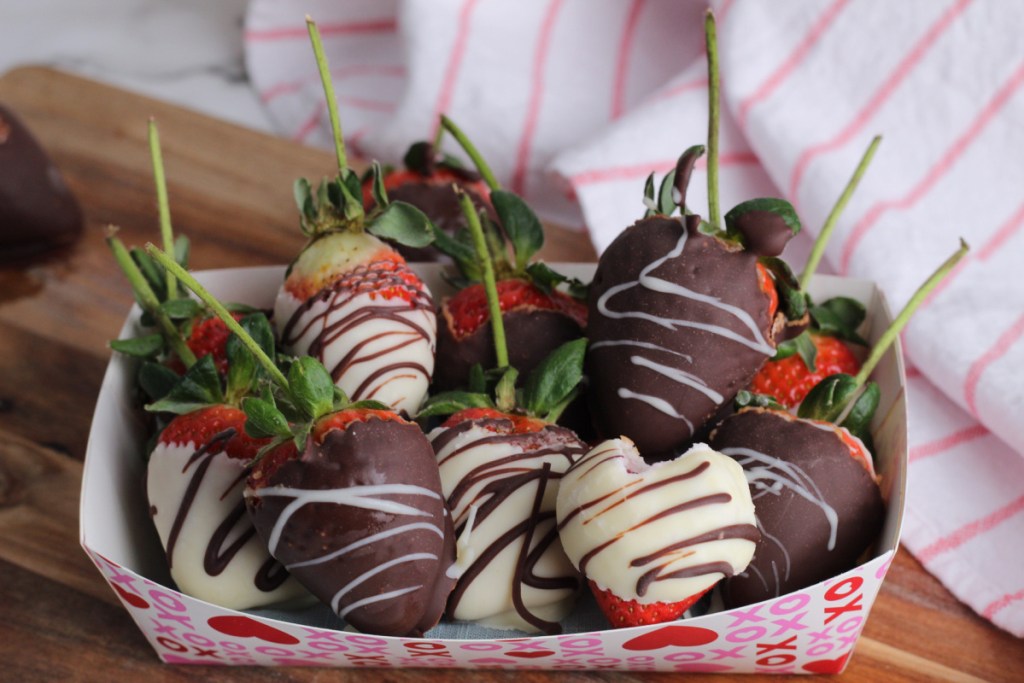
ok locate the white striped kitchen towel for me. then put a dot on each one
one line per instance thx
(574, 102)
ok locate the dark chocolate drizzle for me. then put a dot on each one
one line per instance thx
(216, 557)
(505, 476)
(339, 294)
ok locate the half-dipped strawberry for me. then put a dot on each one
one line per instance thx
(791, 377)
(652, 539)
(349, 299)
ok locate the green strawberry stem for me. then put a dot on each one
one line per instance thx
(438, 136)
(222, 313)
(490, 285)
(147, 299)
(714, 211)
(830, 223)
(471, 150)
(903, 318)
(163, 205)
(332, 104)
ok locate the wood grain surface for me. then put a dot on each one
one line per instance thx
(230, 192)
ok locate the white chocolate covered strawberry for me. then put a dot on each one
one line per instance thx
(652, 538)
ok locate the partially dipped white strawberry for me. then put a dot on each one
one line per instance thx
(349, 299)
(651, 539)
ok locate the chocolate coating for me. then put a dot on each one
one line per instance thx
(529, 335)
(817, 508)
(341, 551)
(677, 325)
(765, 232)
(37, 210)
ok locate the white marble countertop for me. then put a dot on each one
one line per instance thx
(188, 52)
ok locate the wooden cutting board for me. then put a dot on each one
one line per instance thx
(230, 192)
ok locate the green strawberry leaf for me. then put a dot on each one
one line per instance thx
(157, 380)
(792, 300)
(403, 223)
(779, 207)
(151, 271)
(840, 317)
(380, 194)
(312, 389)
(649, 201)
(748, 399)
(263, 419)
(460, 249)
(148, 346)
(451, 402)
(521, 225)
(197, 388)
(477, 383)
(181, 309)
(858, 420)
(807, 350)
(182, 248)
(555, 378)
(367, 405)
(666, 194)
(243, 368)
(829, 397)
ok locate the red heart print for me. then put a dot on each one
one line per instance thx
(530, 654)
(245, 627)
(827, 666)
(667, 636)
(131, 598)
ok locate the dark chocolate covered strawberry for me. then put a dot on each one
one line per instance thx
(345, 494)
(428, 181)
(538, 316)
(349, 299)
(38, 212)
(682, 313)
(811, 476)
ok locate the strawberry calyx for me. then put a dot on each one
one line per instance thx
(625, 613)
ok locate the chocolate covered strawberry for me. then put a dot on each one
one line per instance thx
(195, 476)
(501, 460)
(428, 181)
(652, 539)
(349, 299)
(811, 476)
(819, 345)
(345, 494)
(351, 504)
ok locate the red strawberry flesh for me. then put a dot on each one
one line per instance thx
(468, 310)
(622, 613)
(789, 380)
(200, 428)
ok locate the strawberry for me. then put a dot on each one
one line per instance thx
(500, 462)
(811, 475)
(195, 477)
(625, 613)
(468, 311)
(348, 499)
(652, 539)
(536, 315)
(349, 299)
(789, 379)
(428, 182)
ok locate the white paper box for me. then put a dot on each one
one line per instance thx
(810, 631)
